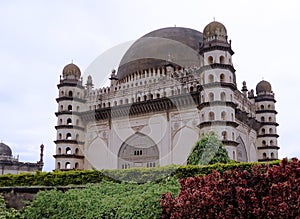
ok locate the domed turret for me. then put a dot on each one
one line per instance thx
(263, 87)
(215, 30)
(71, 71)
(5, 150)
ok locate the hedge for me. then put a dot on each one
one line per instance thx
(137, 175)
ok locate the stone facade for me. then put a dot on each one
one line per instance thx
(172, 85)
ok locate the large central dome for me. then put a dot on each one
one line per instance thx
(176, 45)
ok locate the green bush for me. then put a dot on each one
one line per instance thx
(103, 200)
(7, 213)
(208, 150)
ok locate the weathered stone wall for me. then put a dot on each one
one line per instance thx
(15, 197)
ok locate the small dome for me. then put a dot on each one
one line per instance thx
(263, 87)
(71, 71)
(5, 150)
(214, 29)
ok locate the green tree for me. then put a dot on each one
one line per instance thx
(208, 150)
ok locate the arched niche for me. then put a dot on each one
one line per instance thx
(241, 150)
(139, 150)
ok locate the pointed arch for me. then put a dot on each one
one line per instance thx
(138, 151)
(241, 150)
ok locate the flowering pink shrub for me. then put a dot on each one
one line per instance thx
(264, 192)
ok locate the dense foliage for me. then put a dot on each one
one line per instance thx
(7, 213)
(208, 150)
(139, 175)
(104, 200)
(264, 192)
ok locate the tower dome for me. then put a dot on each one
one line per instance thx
(5, 150)
(71, 71)
(263, 87)
(215, 29)
(176, 45)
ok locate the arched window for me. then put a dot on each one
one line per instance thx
(269, 106)
(62, 93)
(233, 139)
(70, 108)
(262, 107)
(210, 78)
(271, 143)
(59, 136)
(77, 121)
(230, 79)
(68, 165)
(222, 59)
(191, 89)
(262, 119)
(60, 122)
(138, 99)
(126, 101)
(76, 151)
(69, 121)
(233, 155)
(223, 115)
(121, 102)
(270, 119)
(264, 155)
(270, 131)
(68, 136)
(223, 96)
(76, 165)
(232, 117)
(70, 94)
(103, 105)
(59, 151)
(222, 78)
(210, 59)
(202, 116)
(157, 95)
(264, 143)
(77, 137)
(58, 165)
(145, 98)
(68, 150)
(61, 107)
(77, 108)
(224, 135)
(263, 131)
(272, 155)
(211, 97)
(211, 116)
(115, 103)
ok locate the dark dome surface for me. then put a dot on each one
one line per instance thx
(176, 45)
(214, 29)
(263, 86)
(5, 150)
(71, 69)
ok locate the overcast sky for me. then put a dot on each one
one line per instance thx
(38, 38)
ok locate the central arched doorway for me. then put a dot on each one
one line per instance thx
(138, 150)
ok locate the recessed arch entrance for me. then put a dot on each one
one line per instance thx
(139, 150)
